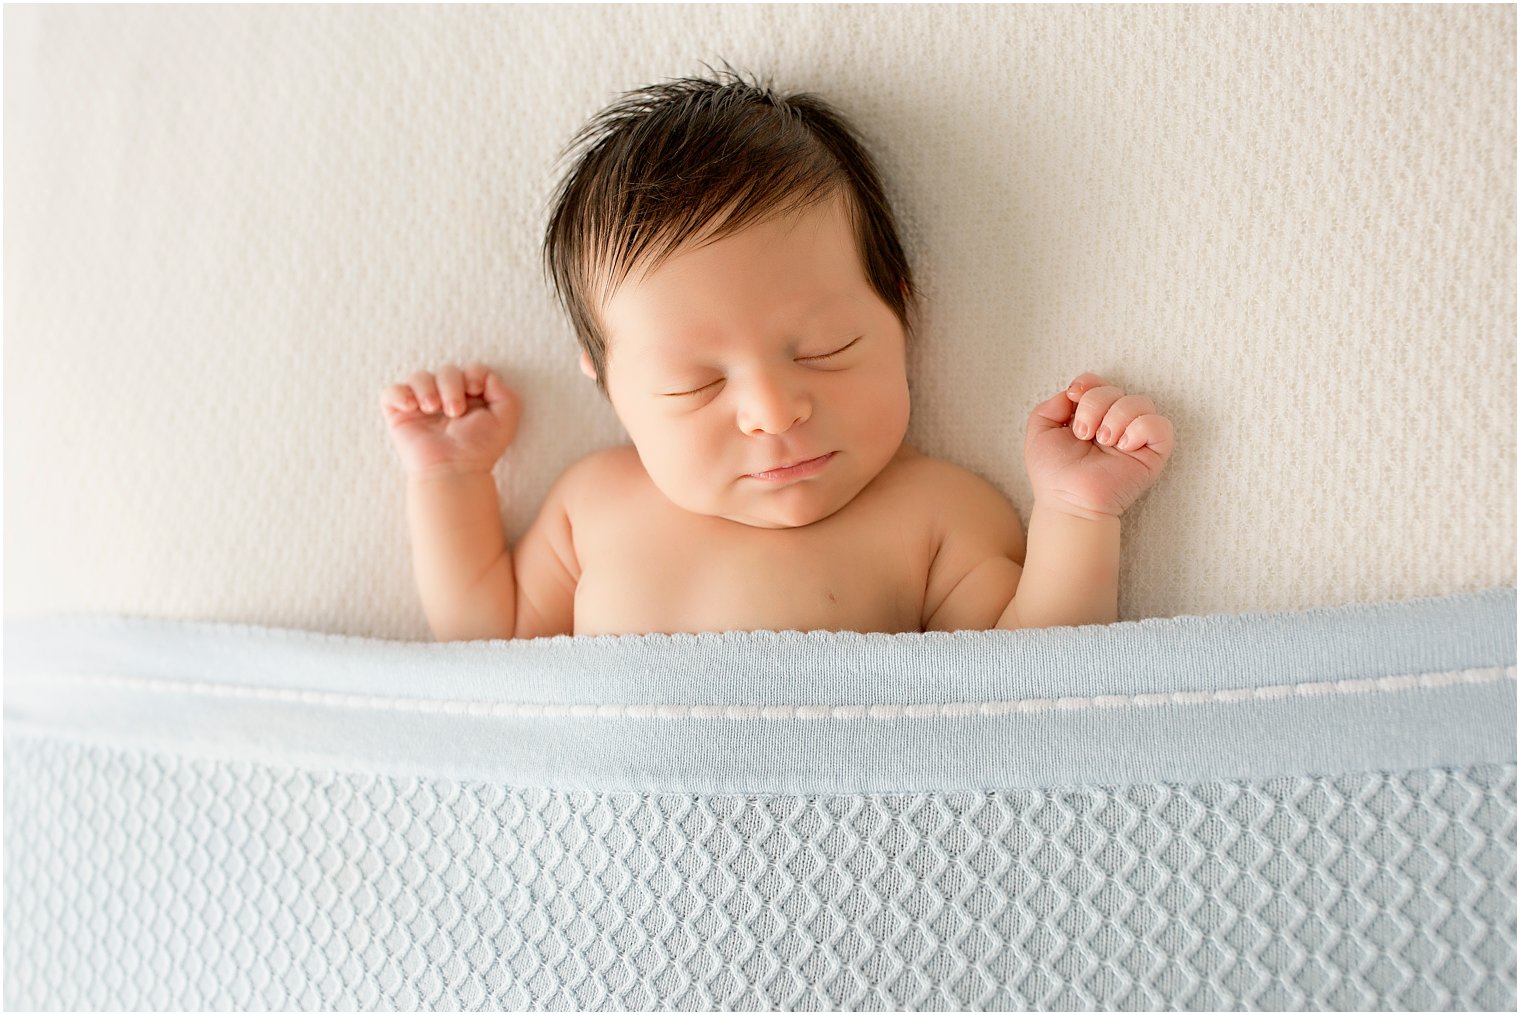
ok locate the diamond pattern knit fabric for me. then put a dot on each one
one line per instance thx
(146, 880)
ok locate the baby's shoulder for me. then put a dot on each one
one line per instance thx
(959, 505)
(944, 484)
(618, 461)
(602, 475)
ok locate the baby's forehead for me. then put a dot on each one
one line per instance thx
(639, 253)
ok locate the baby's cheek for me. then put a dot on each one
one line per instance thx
(884, 410)
(688, 464)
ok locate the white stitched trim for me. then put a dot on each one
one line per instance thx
(949, 710)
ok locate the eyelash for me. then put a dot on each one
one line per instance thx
(836, 352)
(804, 359)
(693, 391)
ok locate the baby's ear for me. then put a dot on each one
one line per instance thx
(587, 367)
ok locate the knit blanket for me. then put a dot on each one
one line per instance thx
(1285, 811)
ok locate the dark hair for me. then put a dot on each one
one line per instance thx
(668, 161)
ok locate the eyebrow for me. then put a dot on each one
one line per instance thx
(817, 308)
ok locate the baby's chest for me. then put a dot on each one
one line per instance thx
(709, 575)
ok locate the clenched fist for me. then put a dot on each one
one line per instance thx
(454, 422)
(1092, 450)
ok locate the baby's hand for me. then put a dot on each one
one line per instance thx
(1113, 450)
(460, 421)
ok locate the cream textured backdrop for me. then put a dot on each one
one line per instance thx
(227, 228)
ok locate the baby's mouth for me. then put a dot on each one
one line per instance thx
(797, 470)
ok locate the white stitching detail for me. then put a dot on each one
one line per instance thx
(879, 712)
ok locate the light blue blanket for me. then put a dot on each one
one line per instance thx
(1307, 810)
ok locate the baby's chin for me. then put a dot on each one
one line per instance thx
(791, 508)
(784, 519)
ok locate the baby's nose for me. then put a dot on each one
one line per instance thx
(770, 406)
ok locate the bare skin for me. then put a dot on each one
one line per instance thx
(868, 567)
(732, 358)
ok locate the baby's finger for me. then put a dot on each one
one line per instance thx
(426, 390)
(475, 379)
(1053, 413)
(1153, 430)
(497, 390)
(1120, 415)
(1082, 384)
(504, 404)
(451, 390)
(1092, 408)
(398, 397)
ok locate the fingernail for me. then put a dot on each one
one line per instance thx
(1103, 435)
(1128, 441)
(1080, 429)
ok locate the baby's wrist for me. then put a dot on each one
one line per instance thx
(453, 472)
(1057, 506)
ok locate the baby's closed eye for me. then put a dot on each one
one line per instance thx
(700, 389)
(694, 389)
(831, 354)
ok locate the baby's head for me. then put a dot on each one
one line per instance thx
(734, 275)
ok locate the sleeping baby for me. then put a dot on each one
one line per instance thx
(735, 278)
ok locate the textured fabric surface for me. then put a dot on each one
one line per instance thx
(1420, 683)
(1311, 810)
(226, 228)
(147, 881)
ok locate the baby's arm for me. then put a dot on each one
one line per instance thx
(982, 576)
(1090, 452)
(1071, 571)
(460, 556)
(450, 431)
(528, 592)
